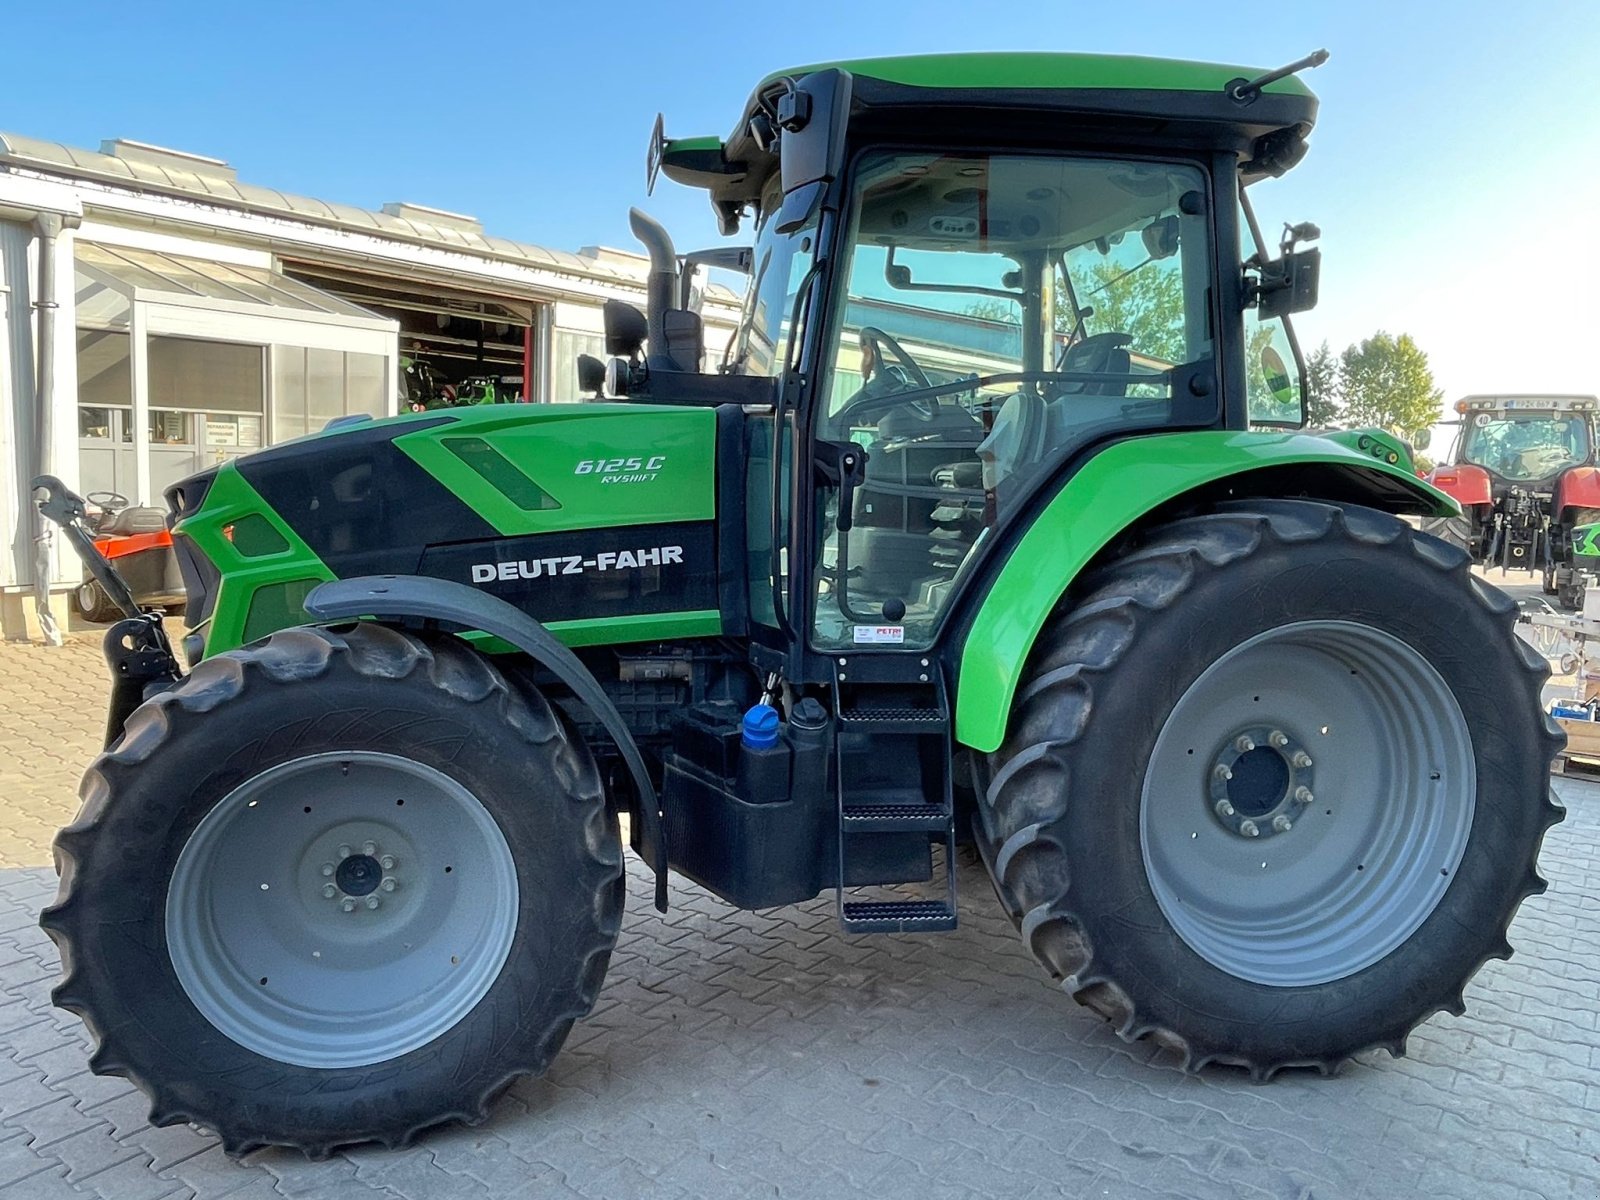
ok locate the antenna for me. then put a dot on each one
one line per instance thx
(1246, 90)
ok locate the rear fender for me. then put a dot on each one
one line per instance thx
(1124, 485)
(1466, 484)
(419, 598)
(1578, 487)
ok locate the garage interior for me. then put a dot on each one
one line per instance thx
(457, 346)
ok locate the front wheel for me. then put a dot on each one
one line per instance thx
(340, 885)
(1274, 786)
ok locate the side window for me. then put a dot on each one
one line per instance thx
(1272, 374)
(1272, 379)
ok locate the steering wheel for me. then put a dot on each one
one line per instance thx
(910, 374)
(107, 502)
(878, 338)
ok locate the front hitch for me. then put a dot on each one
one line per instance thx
(136, 648)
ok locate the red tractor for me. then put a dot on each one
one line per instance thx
(1524, 471)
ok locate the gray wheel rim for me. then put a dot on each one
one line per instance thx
(1347, 861)
(271, 925)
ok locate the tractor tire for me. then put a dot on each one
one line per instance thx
(89, 601)
(1379, 820)
(341, 885)
(1455, 530)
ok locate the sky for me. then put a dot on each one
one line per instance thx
(1454, 171)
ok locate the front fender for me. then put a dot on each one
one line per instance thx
(1118, 487)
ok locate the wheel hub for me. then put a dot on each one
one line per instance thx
(1260, 779)
(358, 875)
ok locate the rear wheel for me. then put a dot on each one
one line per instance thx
(92, 603)
(1455, 530)
(338, 886)
(1274, 786)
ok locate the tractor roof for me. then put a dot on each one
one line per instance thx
(1043, 70)
(1151, 99)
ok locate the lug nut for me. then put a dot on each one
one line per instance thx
(1249, 829)
(1244, 743)
(1278, 738)
(1302, 795)
(348, 904)
(369, 847)
(329, 890)
(388, 885)
(1224, 809)
(327, 868)
(373, 902)
(387, 862)
(1301, 759)
(1282, 824)
(1222, 773)
(344, 849)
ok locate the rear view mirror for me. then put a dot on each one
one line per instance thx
(626, 328)
(1161, 237)
(1422, 439)
(1289, 283)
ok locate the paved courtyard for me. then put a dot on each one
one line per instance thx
(749, 1055)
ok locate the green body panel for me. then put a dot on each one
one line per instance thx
(1034, 69)
(550, 443)
(527, 469)
(232, 499)
(1586, 544)
(1112, 491)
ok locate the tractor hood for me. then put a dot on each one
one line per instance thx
(459, 494)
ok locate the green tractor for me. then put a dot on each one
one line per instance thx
(993, 525)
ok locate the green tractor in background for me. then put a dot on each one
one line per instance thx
(993, 525)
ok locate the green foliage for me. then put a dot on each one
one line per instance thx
(1384, 381)
(1146, 302)
(1322, 389)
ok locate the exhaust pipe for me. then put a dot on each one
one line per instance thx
(662, 285)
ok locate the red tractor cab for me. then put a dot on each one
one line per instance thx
(1524, 471)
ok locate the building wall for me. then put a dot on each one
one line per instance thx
(567, 292)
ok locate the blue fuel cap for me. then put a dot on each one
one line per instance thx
(760, 730)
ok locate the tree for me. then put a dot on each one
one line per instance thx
(1322, 388)
(1385, 381)
(1143, 302)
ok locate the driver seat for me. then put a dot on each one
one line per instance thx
(1097, 354)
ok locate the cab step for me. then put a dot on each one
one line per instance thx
(897, 916)
(892, 813)
(894, 818)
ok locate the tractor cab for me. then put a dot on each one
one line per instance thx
(966, 272)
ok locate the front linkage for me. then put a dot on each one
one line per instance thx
(137, 648)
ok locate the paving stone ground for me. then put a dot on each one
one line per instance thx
(768, 1055)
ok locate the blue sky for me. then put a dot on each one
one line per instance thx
(1455, 171)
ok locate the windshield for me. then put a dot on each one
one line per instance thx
(781, 260)
(997, 311)
(1522, 448)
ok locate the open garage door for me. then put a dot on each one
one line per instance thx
(457, 345)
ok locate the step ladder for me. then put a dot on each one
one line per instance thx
(899, 703)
